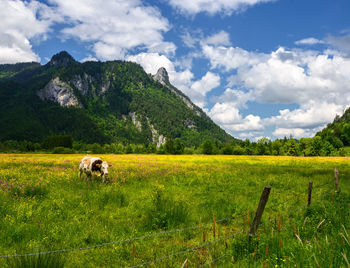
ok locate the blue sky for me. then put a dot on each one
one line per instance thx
(258, 68)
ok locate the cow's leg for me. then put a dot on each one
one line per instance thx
(80, 171)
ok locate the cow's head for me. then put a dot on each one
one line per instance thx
(104, 169)
(85, 167)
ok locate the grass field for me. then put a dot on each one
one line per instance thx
(44, 207)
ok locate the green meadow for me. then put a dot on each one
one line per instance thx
(173, 211)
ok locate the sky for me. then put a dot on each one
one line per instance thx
(258, 68)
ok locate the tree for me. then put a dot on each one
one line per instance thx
(304, 146)
(291, 147)
(178, 146)
(207, 147)
(169, 146)
(227, 149)
(263, 146)
(316, 145)
(327, 149)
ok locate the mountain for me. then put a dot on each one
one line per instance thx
(104, 102)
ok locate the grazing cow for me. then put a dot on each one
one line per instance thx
(93, 164)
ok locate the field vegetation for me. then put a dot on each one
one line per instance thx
(160, 210)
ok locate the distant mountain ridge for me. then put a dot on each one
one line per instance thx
(103, 102)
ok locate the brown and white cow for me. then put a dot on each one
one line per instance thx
(89, 164)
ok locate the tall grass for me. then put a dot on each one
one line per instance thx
(37, 261)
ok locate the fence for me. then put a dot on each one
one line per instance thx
(252, 230)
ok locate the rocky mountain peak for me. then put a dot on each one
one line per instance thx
(61, 59)
(162, 76)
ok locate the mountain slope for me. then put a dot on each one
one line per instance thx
(337, 132)
(105, 102)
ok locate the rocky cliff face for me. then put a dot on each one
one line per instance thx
(60, 92)
(162, 77)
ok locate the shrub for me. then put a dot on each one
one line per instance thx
(62, 150)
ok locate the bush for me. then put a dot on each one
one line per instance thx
(189, 150)
(62, 150)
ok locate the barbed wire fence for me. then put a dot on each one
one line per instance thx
(222, 239)
(190, 250)
(270, 221)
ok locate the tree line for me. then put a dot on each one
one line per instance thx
(315, 146)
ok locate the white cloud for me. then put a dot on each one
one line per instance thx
(285, 76)
(295, 132)
(200, 88)
(213, 6)
(88, 58)
(309, 41)
(115, 27)
(237, 98)
(310, 115)
(191, 39)
(21, 22)
(341, 42)
(151, 62)
(230, 57)
(221, 38)
(319, 83)
(227, 115)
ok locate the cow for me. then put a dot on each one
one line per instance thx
(89, 164)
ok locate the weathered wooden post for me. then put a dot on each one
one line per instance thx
(336, 178)
(214, 226)
(263, 200)
(309, 194)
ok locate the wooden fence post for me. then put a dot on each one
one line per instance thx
(336, 178)
(214, 226)
(309, 194)
(259, 211)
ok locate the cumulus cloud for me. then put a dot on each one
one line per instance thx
(115, 27)
(221, 38)
(213, 6)
(295, 132)
(230, 57)
(200, 88)
(228, 116)
(319, 83)
(21, 22)
(285, 76)
(310, 115)
(236, 98)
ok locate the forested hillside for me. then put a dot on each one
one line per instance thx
(96, 102)
(338, 132)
